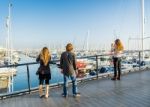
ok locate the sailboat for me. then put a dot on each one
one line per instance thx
(84, 65)
(145, 56)
(8, 72)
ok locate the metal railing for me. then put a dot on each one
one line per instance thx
(29, 89)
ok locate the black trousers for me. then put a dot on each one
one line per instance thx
(44, 77)
(117, 67)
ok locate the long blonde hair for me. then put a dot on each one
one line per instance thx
(45, 55)
(118, 45)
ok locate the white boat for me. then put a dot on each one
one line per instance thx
(7, 71)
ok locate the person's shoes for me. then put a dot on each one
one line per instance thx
(118, 78)
(41, 96)
(77, 95)
(114, 78)
(46, 96)
(63, 95)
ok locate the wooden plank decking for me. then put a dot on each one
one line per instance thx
(132, 91)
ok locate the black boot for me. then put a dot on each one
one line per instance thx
(114, 78)
(118, 78)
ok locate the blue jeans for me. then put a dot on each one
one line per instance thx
(74, 85)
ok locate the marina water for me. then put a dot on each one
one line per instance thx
(20, 80)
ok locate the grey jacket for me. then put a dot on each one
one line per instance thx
(68, 63)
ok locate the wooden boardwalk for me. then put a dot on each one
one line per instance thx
(132, 91)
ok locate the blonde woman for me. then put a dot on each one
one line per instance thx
(44, 71)
(118, 49)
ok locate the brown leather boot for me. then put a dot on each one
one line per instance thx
(41, 91)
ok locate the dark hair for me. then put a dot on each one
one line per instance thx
(69, 47)
(117, 40)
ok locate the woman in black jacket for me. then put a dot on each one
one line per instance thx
(44, 71)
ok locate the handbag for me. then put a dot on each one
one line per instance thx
(39, 71)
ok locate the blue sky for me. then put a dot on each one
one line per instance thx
(36, 23)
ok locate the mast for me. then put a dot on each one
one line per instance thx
(8, 39)
(87, 44)
(142, 29)
(9, 46)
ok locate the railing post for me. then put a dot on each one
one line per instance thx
(28, 76)
(139, 60)
(2, 98)
(97, 66)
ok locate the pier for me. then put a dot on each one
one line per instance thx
(131, 91)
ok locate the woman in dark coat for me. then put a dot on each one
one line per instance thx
(44, 71)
